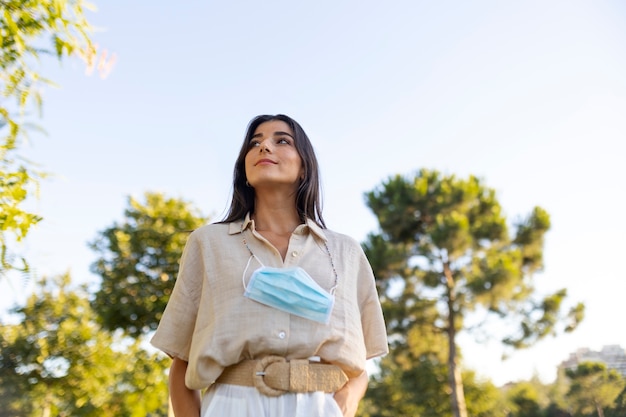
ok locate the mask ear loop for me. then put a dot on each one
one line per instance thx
(332, 263)
(252, 255)
(243, 276)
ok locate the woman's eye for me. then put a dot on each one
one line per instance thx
(254, 143)
(283, 141)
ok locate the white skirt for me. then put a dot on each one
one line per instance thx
(237, 401)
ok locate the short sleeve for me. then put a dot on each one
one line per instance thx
(174, 333)
(374, 329)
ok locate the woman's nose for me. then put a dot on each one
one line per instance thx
(265, 147)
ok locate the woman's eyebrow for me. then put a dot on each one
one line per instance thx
(277, 133)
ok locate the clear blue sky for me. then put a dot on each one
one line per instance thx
(530, 96)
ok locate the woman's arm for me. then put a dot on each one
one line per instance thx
(185, 402)
(349, 396)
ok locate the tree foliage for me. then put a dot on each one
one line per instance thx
(69, 366)
(618, 408)
(412, 378)
(138, 261)
(417, 386)
(29, 30)
(445, 241)
(527, 399)
(594, 388)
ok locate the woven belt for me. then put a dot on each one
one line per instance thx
(274, 376)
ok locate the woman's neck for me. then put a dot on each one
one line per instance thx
(276, 222)
(280, 217)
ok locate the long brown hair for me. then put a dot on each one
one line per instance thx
(308, 199)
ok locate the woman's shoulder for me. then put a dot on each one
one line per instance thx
(210, 231)
(342, 239)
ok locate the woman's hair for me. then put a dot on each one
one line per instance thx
(308, 199)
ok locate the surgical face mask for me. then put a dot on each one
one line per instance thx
(291, 290)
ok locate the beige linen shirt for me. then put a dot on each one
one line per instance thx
(209, 323)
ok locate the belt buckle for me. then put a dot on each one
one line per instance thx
(259, 373)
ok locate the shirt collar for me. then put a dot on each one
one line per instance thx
(309, 226)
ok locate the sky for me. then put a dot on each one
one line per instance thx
(528, 96)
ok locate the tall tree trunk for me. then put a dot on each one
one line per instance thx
(455, 380)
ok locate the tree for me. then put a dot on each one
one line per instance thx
(619, 405)
(29, 29)
(445, 239)
(419, 389)
(558, 404)
(139, 261)
(69, 366)
(594, 387)
(412, 378)
(484, 399)
(526, 399)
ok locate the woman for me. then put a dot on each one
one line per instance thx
(272, 314)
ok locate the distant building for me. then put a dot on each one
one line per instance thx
(613, 356)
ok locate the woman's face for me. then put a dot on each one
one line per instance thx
(272, 159)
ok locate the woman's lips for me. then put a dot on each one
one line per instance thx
(265, 162)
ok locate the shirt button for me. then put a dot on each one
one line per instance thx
(282, 335)
(294, 253)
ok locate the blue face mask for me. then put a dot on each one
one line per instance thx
(291, 290)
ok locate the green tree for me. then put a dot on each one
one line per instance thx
(484, 399)
(555, 410)
(594, 388)
(446, 239)
(412, 379)
(29, 30)
(527, 399)
(69, 366)
(558, 404)
(138, 261)
(619, 406)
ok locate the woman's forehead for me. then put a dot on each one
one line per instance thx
(273, 127)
